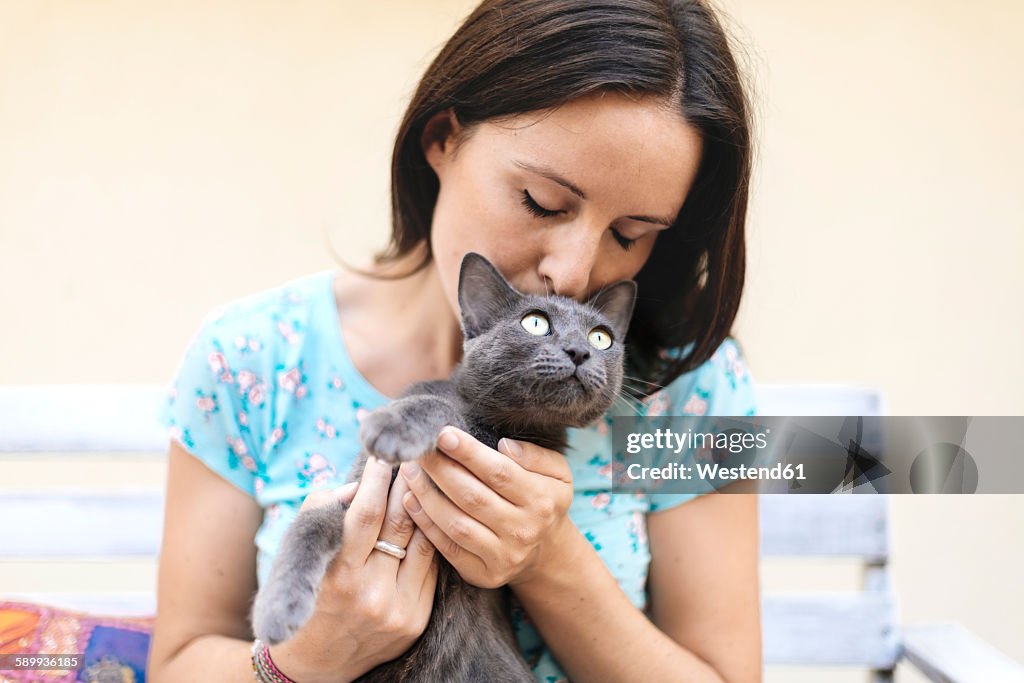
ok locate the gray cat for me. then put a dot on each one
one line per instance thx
(532, 366)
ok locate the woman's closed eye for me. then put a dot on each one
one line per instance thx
(539, 211)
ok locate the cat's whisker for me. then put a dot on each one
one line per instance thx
(625, 400)
(642, 381)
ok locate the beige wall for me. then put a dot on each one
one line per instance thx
(158, 159)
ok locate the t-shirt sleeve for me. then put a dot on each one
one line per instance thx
(204, 410)
(720, 387)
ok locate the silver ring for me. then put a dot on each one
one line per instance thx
(390, 548)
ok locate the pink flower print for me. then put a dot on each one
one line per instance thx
(730, 354)
(602, 427)
(257, 394)
(326, 429)
(738, 369)
(207, 404)
(246, 379)
(243, 418)
(258, 487)
(337, 382)
(276, 437)
(246, 344)
(658, 404)
(174, 431)
(316, 470)
(288, 332)
(248, 463)
(226, 377)
(294, 297)
(695, 406)
(289, 380)
(300, 392)
(238, 446)
(361, 414)
(637, 528)
(217, 362)
(605, 471)
(601, 501)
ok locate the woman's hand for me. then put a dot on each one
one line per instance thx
(372, 606)
(496, 516)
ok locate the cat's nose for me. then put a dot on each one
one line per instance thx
(577, 354)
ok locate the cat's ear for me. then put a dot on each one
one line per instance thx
(616, 303)
(484, 294)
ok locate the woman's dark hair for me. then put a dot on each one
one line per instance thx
(515, 56)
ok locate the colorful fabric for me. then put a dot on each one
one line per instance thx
(266, 396)
(113, 649)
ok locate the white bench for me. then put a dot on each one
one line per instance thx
(858, 628)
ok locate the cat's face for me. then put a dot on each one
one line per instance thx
(532, 359)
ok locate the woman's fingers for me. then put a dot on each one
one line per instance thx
(397, 530)
(456, 535)
(322, 497)
(508, 469)
(470, 494)
(418, 571)
(366, 514)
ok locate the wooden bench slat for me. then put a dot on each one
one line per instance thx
(49, 524)
(108, 604)
(831, 629)
(82, 418)
(77, 524)
(825, 524)
(118, 418)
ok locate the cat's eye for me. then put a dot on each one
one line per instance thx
(600, 338)
(535, 324)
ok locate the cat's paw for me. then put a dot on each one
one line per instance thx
(278, 612)
(393, 437)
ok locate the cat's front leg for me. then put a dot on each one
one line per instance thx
(407, 428)
(287, 600)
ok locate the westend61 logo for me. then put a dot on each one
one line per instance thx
(844, 454)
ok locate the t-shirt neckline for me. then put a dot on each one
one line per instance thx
(355, 382)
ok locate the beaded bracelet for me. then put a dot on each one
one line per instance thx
(263, 668)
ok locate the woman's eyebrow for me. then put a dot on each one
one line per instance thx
(551, 174)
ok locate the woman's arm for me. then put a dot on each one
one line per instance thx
(703, 584)
(207, 577)
(490, 516)
(703, 581)
(370, 607)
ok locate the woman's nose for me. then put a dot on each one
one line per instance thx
(569, 261)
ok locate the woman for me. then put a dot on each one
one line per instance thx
(573, 144)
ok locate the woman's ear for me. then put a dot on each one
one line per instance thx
(438, 135)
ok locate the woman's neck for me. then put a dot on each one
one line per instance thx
(411, 316)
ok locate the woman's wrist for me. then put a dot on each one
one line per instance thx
(559, 552)
(306, 659)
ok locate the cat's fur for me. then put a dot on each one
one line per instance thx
(509, 383)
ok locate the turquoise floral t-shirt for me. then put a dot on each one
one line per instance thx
(266, 396)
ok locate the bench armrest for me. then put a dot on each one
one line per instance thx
(949, 653)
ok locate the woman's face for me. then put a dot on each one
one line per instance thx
(623, 165)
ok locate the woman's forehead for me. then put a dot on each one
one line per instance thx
(601, 146)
